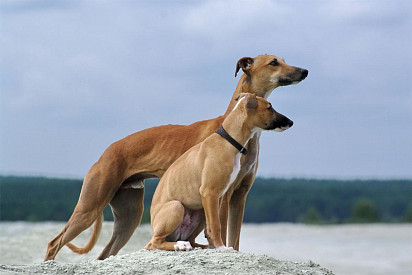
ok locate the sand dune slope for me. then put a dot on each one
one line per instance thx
(23, 246)
(164, 262)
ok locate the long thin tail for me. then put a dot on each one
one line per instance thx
(93, 239)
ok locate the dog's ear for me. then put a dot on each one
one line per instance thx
(245, 63)
(241, 95)
(251, 102)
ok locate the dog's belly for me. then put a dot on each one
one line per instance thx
(191, 221)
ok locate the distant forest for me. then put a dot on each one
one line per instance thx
(270, 200)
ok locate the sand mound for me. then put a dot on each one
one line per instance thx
(23, 245)
(346, 249)
(198, 261)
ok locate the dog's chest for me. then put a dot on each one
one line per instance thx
(250, 159)
(235, 172)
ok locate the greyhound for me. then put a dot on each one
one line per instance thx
(117, 178)
(189, 192)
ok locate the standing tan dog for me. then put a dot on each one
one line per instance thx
(190, 190)
(118, 176)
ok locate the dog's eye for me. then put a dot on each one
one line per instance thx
(274, 63)
(270, 106)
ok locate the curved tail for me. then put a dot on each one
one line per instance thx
(93, 239)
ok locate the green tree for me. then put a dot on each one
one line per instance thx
(312, 216)
(408, 214)
(364, 211)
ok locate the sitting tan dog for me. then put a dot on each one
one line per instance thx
(189, 194)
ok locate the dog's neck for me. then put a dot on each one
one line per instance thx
(245, 85)
(239, 127)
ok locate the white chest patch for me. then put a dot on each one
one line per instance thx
(235, 172)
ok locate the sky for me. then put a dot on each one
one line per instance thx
(75, 76)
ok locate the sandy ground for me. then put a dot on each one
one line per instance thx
(344, 249)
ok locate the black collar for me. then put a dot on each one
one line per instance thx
(222, 132)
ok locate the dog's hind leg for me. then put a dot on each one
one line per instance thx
(127, 207)
(192, 238)
(164, 222)
(96, 193)
(79, 221)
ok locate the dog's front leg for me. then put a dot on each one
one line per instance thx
(210, 203)
(237, 209)
(223, 215)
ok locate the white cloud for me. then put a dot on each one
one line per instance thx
(105, 69)
(216, 17)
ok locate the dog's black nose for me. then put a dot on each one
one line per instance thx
(290, 123)
(304, 73)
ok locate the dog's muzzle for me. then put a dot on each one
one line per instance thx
(297, 77)
(284, 127)
(281, 125)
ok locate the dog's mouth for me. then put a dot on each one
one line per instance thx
(284, 126)
(281, 129)
(285, 82)
(303, 73)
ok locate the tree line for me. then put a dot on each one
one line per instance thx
(270, 200)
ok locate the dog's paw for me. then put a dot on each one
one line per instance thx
(182, 246)
(224, 248)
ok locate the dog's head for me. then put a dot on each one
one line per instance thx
(267, 72)
(261, 113)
